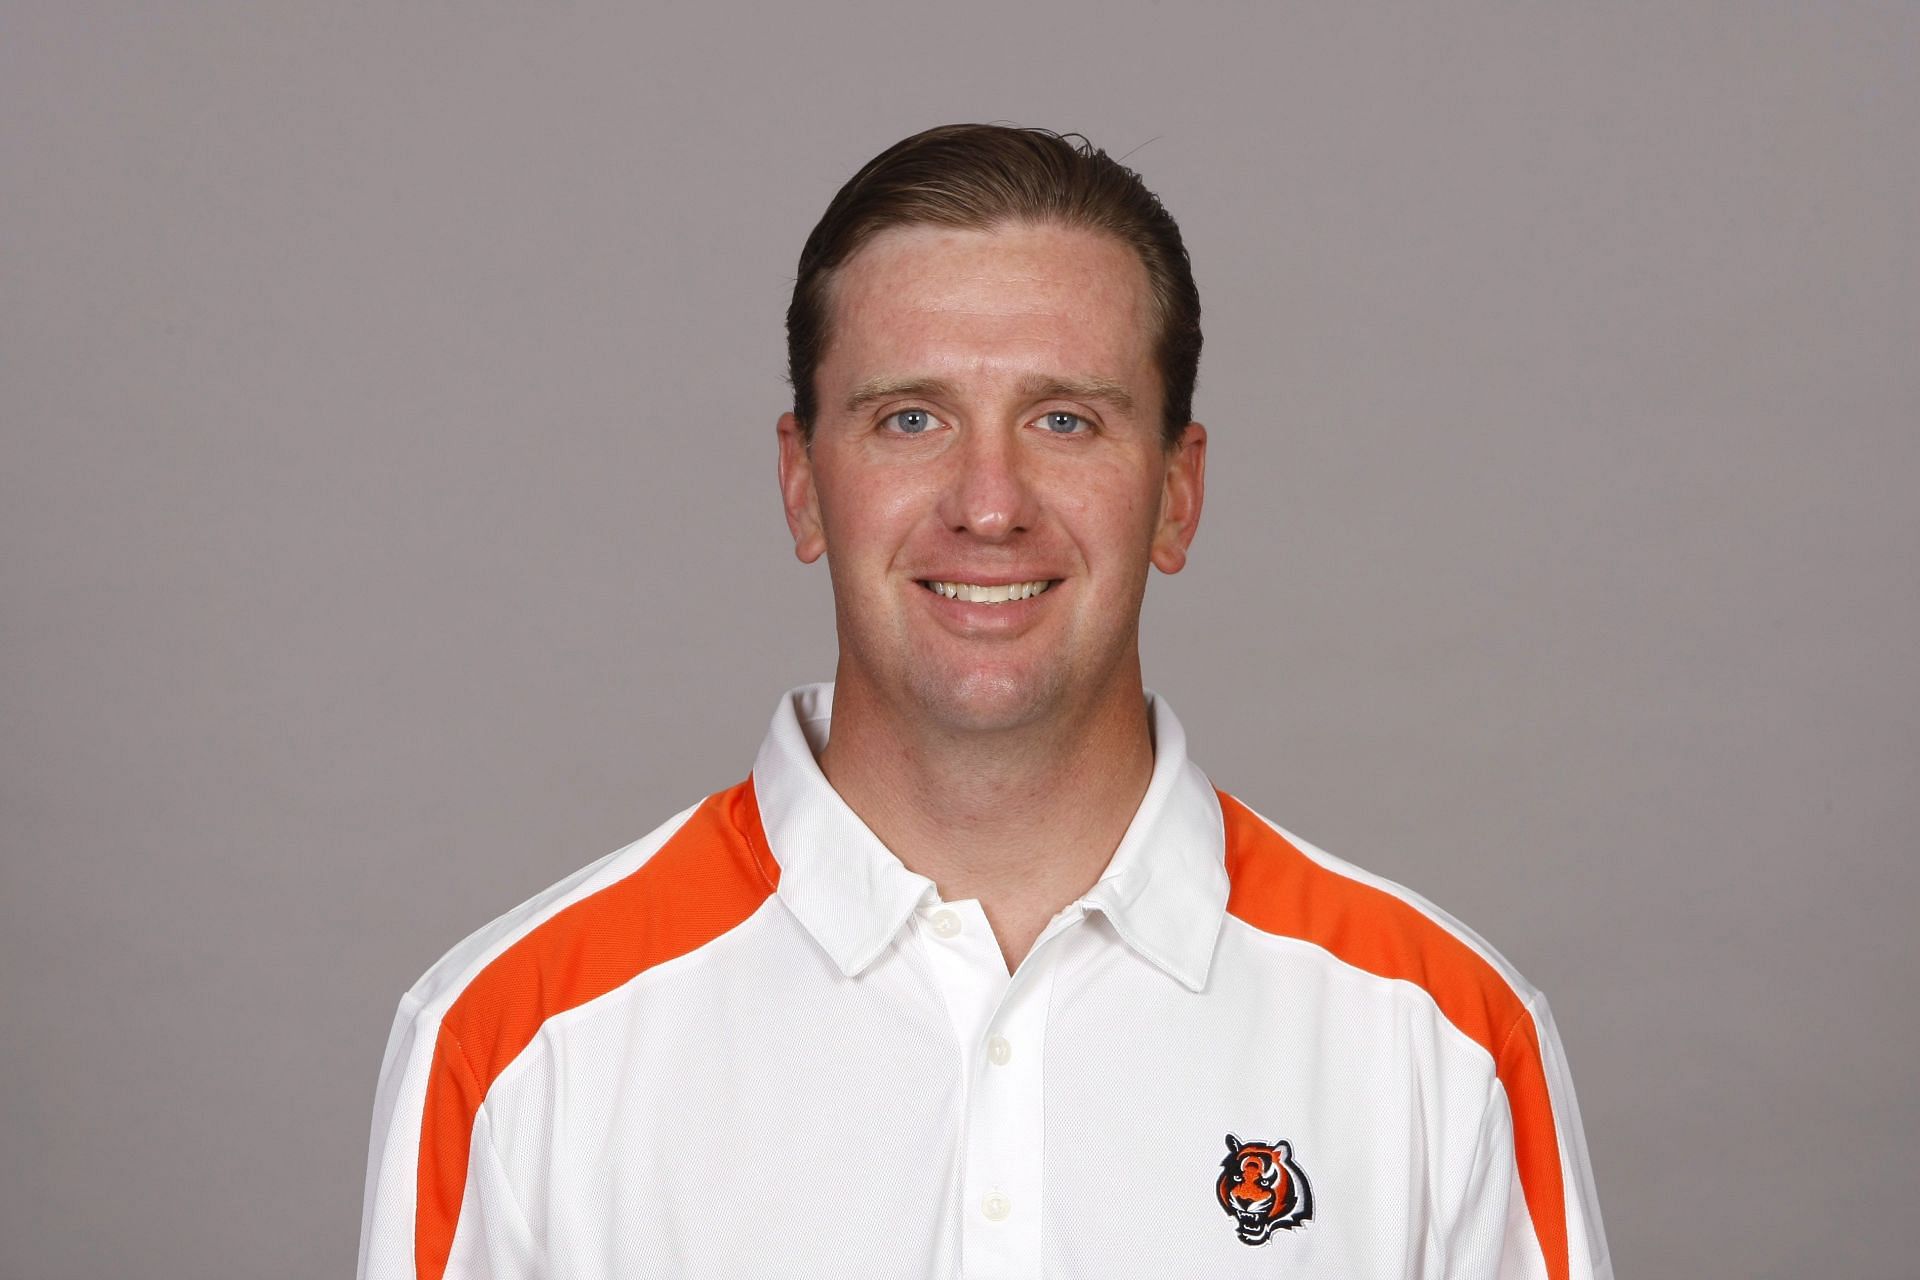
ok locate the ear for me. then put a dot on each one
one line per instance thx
(1181, 496)
(797, 493)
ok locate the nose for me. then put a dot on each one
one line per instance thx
(990, 492)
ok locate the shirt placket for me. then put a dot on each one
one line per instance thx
(1000, 1024)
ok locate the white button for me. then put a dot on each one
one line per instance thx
(996, 1206)
(945, 923)
(999, 1051)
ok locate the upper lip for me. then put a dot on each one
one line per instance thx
(987, 580)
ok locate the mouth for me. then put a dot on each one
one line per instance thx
(988, 593)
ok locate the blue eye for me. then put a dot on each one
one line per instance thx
(1062, 423)
(911, 422)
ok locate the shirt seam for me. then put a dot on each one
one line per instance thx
(589, 1009)
(465, 1063)
(513, 1200)
(1495, 1094)
(1513, 1029)
(1406, 985)
(1568, 1189)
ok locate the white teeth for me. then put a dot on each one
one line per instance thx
(973, 594)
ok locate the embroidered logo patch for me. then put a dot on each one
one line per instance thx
(1262, 1187)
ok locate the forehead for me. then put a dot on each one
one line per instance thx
(1020, 298)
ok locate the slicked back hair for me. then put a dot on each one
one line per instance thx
(981, 176)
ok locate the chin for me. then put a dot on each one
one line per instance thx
(983, 701)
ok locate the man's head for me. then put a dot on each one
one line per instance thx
(988, 468)
(977, 177)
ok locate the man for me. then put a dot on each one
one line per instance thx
(976, 975)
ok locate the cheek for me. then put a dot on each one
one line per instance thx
(869, 515)
(1114, 508)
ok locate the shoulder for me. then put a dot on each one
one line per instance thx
(1284, 886)
(689, 882)
(684, 884)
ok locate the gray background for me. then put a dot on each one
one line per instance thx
(389, 528)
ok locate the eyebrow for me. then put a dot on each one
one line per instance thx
(1039, 387)
(887, 388)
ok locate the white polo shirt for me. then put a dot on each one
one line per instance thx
(755, 1044)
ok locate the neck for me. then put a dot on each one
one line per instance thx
(1025, 819)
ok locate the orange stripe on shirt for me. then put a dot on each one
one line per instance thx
(1278, 889)
(708, 877)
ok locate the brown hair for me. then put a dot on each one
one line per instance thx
(978, 176)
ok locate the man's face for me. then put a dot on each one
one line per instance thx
(990, 419)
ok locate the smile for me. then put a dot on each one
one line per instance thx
(973, 593)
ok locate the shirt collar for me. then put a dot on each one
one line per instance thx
(1165, 890)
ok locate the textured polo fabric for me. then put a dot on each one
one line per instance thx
(755, 1044)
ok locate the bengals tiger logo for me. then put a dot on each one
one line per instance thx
(1263, 1188)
